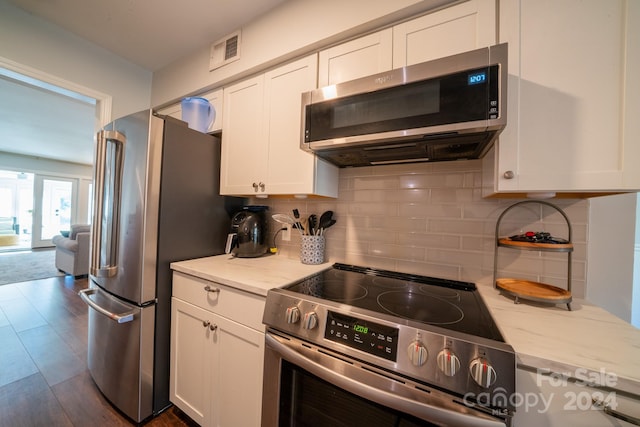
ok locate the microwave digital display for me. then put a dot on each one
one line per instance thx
(477, 78)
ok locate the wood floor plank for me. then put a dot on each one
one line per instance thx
(85, 405)
(30, 402)
(59, 346)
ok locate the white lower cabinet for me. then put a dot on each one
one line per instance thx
(555, 400)
(217, 352)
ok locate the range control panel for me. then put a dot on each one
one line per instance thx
(372, 338)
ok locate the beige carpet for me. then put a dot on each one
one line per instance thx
(30, 265)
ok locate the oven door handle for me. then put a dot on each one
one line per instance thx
(467, 417)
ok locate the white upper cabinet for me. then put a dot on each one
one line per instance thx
(261, 153)
(573, 103)
(361, 57)
(456, 29)
(214, 97)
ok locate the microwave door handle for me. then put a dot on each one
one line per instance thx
(109, 161)
(125, 317)
(422, 410)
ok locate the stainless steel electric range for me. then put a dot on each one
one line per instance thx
(360, 346)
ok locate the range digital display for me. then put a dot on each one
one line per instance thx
(373, 338)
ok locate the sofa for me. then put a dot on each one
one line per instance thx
(72, 252)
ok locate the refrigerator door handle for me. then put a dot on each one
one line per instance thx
(119, 318)
(106, 216)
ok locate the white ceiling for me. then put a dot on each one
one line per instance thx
(151, 33)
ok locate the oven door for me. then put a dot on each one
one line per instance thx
(305, 385)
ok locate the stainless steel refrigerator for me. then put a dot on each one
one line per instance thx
(156, 200)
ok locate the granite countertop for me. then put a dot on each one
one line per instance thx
(255, 275)
(587, 343)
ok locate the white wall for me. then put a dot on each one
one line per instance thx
(32, 42)
(293, 29)
(610, 261)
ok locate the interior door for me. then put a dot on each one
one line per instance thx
(54, 208)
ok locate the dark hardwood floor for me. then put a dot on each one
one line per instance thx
(44, 379)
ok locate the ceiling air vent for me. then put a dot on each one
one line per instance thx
(225, 50)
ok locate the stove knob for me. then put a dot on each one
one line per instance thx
(310, 320)
(417, 353)
(448, 362)
(292, 315)
(482, 372)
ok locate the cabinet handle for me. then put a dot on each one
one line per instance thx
(509, 175)
(261, 185)
(212, 290)
(599, 404)
(213, 327)
(206, 323)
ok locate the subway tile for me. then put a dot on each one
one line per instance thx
(396, 251)
(429, 240)
(427, 210)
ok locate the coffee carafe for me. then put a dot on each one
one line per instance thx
(247, 238)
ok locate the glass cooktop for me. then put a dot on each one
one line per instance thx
(444, 303)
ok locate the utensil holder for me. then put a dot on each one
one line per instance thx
(312, 249)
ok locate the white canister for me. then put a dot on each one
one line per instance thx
(312, 249)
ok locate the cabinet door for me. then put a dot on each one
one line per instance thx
(244, 148)
(174, 111)
(449, 31)
(291, 170)
(571, 124)
(357, 58)
(237, 374)
(215, 98)
(555, 401)
(191, 350)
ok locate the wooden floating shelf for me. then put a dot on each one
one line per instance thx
(547, 247)
(534, 291)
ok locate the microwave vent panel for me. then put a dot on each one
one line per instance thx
(225, 50)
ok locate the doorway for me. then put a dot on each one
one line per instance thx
(36, 207)
(46, 155)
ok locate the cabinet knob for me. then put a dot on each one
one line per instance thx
(509, 175)
(206, 323)
(213, 327)
(210, 289)
(261, 185)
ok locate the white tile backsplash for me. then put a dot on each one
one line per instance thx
(430, 219)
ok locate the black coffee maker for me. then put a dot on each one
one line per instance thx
(247, 238)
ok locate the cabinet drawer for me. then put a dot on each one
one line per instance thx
(235, 304)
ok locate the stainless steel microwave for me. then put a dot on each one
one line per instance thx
(447, 109)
